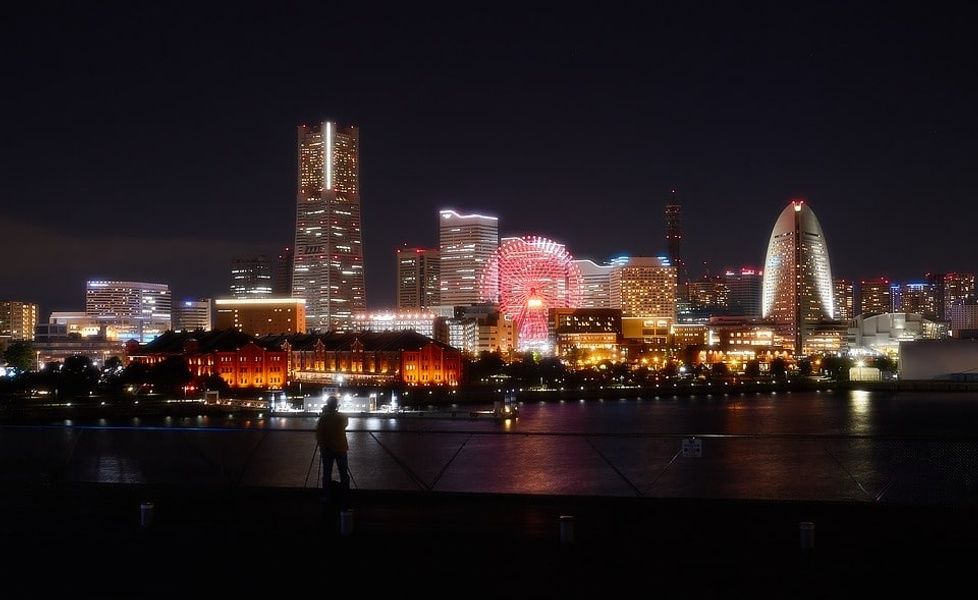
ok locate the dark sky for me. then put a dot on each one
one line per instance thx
(155, 143)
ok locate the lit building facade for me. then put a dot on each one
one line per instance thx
(964, 320)
(239, 359)
(134, 309)
(328, 251)
(708, 296)
(882, 333)
(645, 287)
(919, 298)
(262, 316)
(251, 277)
(191, 315)
(745, 287)
(952, 289)
(595, 284)
(418, 278)
(844, 299)
(875, 297)
(465, 244)
(590, 333)
(370, 357)
(18, 320)
(478, 328)
(425, 323)
(797, 292)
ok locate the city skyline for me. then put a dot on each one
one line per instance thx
(735, 147)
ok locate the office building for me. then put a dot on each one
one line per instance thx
(708, 296)
(134, 309)
(745, 286)
(952, 289)
(17, 320)
(418, 278)
(251, 277)
(875, 296)
(282, 274)
(262, 316)
(919, 298)
(595, 284)
(797, 292)
(425, 323)
(844, 299)
(585, 334)
(674, 239)
(328, 260)
(193, 315)
(465, 244)
(964, 320)
(644, 287)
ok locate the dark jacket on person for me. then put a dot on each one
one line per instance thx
(331, 432)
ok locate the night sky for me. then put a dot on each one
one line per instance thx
(156, 143)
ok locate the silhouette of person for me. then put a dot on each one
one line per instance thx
(333, 447)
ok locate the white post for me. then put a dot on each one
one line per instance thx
(566, 529)
(806, 530)
(346, 522)
(146, 510)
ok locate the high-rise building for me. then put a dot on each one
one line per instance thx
(262, 316)
(708, 296)
(951, 289)
(844, 299)
(919, 298)
(136, 310)
(282, 274)
(674, 238)
(875, 296)
(251, 277)
(418, 279)
(465, 244)
(192, 315)
(18, 320)
(645, 287)
(595, 284)
(328, 264)
(797, 291)
(745, 285)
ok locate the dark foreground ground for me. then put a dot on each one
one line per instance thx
(86, 541)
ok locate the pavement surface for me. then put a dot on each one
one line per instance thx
(87, 540)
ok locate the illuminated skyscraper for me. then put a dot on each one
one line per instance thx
(644, 286)
(844, 299)
(328, 262)
(745, 287)
(135, 310)
(251, 277)
(951, 289)
(920, 298)
(595, 284)
(797, 276)
(418, 281)
(17, 320)
(875, 296)
(465, 243)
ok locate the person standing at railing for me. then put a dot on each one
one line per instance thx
(333, 447)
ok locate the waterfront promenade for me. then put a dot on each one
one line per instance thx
(87, 540)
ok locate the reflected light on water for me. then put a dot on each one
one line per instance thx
(859, 402)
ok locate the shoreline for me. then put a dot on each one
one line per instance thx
(19, 409)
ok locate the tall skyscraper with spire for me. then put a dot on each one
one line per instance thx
(798, 291)
(328, 260)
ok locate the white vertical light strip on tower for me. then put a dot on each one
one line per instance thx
(328, 163)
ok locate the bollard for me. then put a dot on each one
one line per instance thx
(566, 529)
(346, 522)
(806, 530)
(146, 514)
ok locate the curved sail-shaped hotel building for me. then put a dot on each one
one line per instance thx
(797, 292)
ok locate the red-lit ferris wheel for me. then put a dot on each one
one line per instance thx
(527, 277)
